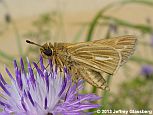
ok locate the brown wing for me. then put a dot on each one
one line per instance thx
(123, 44)
(94, 78)
(95, 56)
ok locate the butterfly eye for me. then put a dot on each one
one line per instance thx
(48, 52)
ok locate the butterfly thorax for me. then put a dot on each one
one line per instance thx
(62, 56)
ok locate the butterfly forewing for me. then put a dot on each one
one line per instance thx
(97, 57)
(124, 44)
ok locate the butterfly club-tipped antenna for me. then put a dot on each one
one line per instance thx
(30, 42)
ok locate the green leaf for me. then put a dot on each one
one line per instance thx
(119, 22)
(98, 16)
(143, 2)
(141, 60)
(95, 22)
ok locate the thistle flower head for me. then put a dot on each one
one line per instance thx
(147, 70)
(44, 92)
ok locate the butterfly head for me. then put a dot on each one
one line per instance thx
(46, 50)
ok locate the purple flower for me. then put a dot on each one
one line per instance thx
(147, 70)
(43, 92)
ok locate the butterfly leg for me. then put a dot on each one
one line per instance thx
(67, 92)
(75, 77)
(37, 64)
(76, 82)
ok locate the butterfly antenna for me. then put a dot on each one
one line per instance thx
(30, 42)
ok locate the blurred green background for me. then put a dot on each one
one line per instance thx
(84, 20)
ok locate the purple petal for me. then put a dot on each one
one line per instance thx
(15, 64)
(73, 91)
(63, 87)
(83, 99)
(51, 65)
(5, 104)
(65, 70)
(1, 78)
(86, 107)
(10, 75)
(47, 81)
(24, 94)
(45, 103)
(56, 68)
(19, 80)
(41, 63)
(1, 103)
(30, 98)
(4, 89)
(22, 66)
(23, 104)
(38, 70)
(89, 97)
(32, 79)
